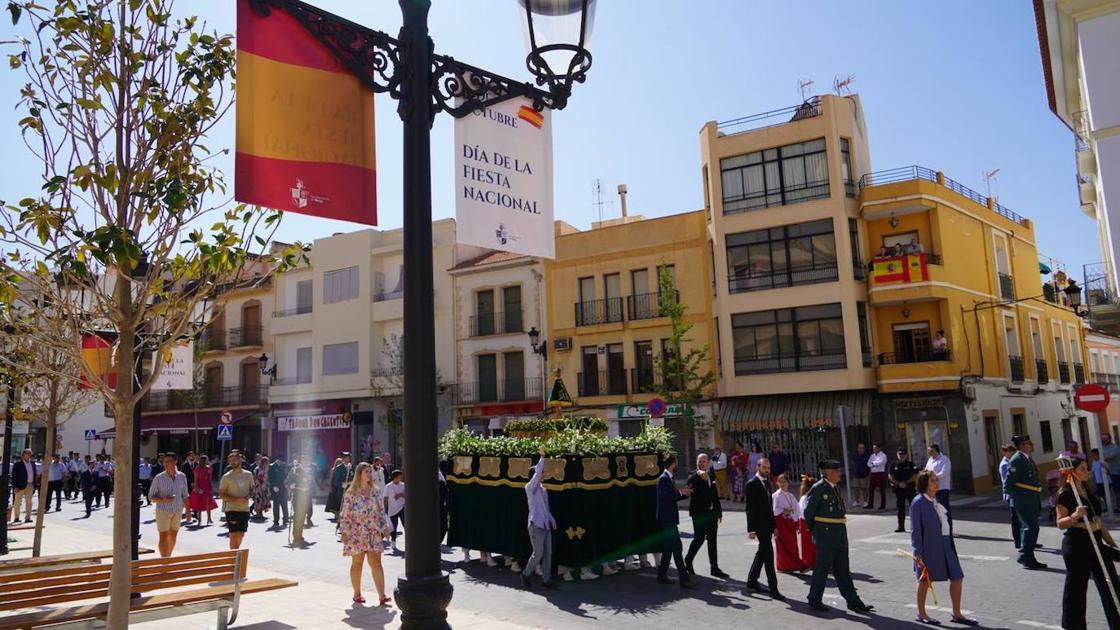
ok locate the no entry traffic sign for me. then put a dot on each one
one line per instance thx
(226, 417)
(656, 407)
(1091, 398)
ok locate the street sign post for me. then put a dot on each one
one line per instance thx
(225, 432)
(1091, 397)
(656, 407)
(91, 434)
(843, 417)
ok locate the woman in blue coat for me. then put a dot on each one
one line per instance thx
(933, 550)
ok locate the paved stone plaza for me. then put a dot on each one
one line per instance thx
(997, 591)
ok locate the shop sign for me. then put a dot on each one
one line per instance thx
(642, 411)
(919, 403)
(314, 423)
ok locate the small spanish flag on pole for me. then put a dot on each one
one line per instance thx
(305, 136)
(531, 116)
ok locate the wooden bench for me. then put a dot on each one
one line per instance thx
(86, 557)
(78, 597)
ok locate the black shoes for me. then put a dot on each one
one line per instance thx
(1033, 565)
(776, 596)
(819, 606)
(688, 567)
(688, 584)
(719, 574)
(755, 586)
(900, 530)
(666, 580)
(860, 607)
(525, 583)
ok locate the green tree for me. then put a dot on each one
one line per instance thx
(684, 367)
(132, 228)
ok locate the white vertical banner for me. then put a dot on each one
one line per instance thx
(178, 367)
(503, 179)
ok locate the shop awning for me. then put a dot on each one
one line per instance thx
(792, 411)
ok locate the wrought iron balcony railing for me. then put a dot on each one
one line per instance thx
(605, 311)
(602, 383)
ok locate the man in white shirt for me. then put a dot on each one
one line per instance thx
(145, 477)
(940, 465)
(719, 465)
(878, 465)
(56, 474)
(394, 502)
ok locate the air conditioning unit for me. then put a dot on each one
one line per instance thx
(562, 344)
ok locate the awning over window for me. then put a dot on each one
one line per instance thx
(792, 411)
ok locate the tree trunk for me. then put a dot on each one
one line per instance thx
(44, 484)
(120, 585)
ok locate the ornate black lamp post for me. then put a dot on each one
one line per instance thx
(425, 83)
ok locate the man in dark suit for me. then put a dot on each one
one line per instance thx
(23, 484)
(668, 518)
(88, 483)
(706, 513)
(760, 527)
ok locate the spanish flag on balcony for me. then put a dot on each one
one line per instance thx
(895, 269)
(305, 134)
(97, 353)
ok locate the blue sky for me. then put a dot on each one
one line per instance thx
(954, 85)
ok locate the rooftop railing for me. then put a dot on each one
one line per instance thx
(906, 173)
(809, 109)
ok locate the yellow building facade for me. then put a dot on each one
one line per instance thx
(971, 347)
(604, 325)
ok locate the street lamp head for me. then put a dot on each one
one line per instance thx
(534, 337)
(558, 33)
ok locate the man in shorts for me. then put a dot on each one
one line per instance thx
(235, 490)
(169, 492)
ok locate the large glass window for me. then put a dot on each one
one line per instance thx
(775, 177)
(846, 168)
(340, 358)
(340, 285)
(804, 253)
(789, 340)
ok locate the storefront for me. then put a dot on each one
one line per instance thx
(314, 437)
(181, 433)
(803, 425)
(689, 431)
(489, 419)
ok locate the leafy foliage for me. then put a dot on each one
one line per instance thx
(687, 378)
(556, 425)
(567, 442)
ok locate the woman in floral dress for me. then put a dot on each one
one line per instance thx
(364, 527)
(262, 492)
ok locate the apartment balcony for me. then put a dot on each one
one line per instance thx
(644, 380)
(1018, 375)
(1042, 374)
(1063, 372)
(499, 391)
(594, 312)
(913, 371)
(1078, 373)
(292, 312)
(207, 398)
(496, 324)
(602, 383)
(385, 296)
(212, 341)
(925, 356)
(1006, 286)
(1111, 381)
(246, 337)
(796, 276)
(647, 305)
(919, 174)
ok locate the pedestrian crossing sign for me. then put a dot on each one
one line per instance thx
(225, 432)
(91, 434)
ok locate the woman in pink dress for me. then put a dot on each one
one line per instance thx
(364, 527)
(787, 517)
(202, 494)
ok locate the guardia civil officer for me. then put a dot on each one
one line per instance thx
(1025, 490)
(825, 516)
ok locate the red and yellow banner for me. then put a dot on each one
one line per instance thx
(909, 268)
(305, 131)
(97, 352)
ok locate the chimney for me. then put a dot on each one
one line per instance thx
(622, 196)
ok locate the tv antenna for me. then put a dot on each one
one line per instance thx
(988, 177)
(597, 191)
(803, 87)
(841, 86)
